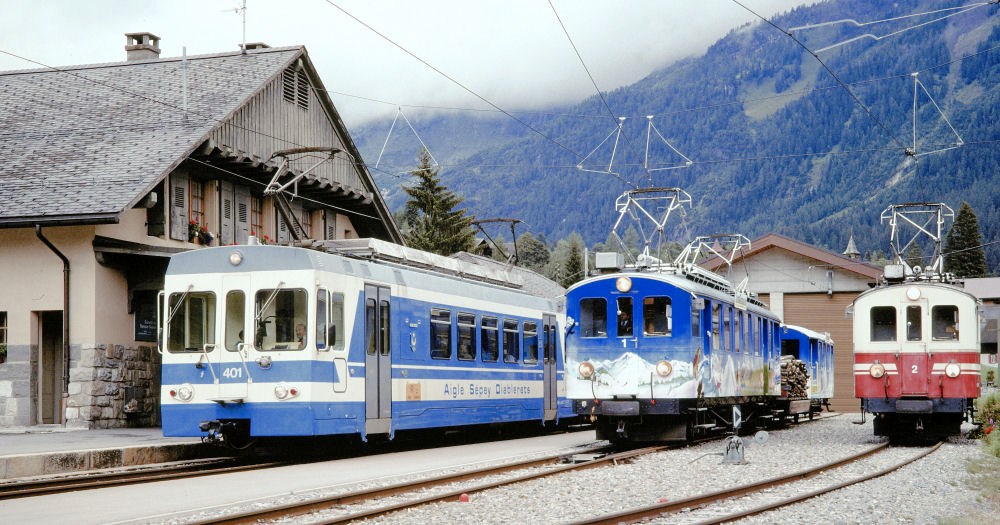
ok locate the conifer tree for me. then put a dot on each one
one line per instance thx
(963, 246)
(434, 223)
(573, 268)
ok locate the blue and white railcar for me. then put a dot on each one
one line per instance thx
(662, 355)
(357, 337)
(815, 349)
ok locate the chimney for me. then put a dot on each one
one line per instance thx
(254, 46)
(142, 46)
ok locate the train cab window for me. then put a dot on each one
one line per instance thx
(440, 334)
(695, 322)
(883, 321)
(593, 317)
(716, 320)
(530, 343)
(624, 316)
(322, 301)
(489, 339)
(466, 336)
(191, 322)
(281, 319)
(335, 327)
(944, 322)
(656, 316)
(511, 350)
(913, 327)
(235, 316)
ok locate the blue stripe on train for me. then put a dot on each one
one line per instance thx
(290, 371)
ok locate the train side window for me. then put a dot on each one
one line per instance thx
(530, 343)
(466, 336)
(695, 322)
(624, 316)
(883, 321)
(370, 326)
(235, 317)
(489, 339)
(511, 350)
(727, 329)
(191, 321)
(282, 315)
(440, 333)
(757, 335)
(944, 321)
(656, 316)
(765, 328)
(716, 319)
(385, 325)
(738, 334)
(322, 300)
(913, 326)
(335, 330)
(593, 317)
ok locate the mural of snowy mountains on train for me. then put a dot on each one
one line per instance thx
(631, 374)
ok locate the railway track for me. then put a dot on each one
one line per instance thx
(23, 488)
(717, 507)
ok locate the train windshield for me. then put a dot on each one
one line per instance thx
(594, 317)
(280, 319)
(191, 322)
(883, 323)
(945, 322)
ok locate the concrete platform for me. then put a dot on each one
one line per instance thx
(52, 449)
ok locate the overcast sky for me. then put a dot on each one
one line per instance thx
(511, 52)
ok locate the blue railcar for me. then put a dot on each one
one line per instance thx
(353, 337)
(664, 353)
(815, 350)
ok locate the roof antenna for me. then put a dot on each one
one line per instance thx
(241, 10)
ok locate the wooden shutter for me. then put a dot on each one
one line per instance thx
(179, 206)
(242, 200)
(330, 223)
(227, 226)
(282, 229)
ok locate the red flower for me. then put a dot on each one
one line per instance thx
(989, 429)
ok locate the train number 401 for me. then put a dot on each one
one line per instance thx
(232, 373)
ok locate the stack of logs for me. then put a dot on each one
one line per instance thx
(794, 377)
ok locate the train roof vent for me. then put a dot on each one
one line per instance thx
(894, 272)
(607, 262)
(387, 251)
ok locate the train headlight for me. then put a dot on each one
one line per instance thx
(623, 284)
(185, 392)
(586, 369)
(281, 391)
(952, 370)
(913, 293)
(663, 368)
(235, 258)
(877, 370)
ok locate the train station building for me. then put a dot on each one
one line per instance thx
(809, 287)
(109, 169)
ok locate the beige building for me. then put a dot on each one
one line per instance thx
(810, 287)
(109, 169)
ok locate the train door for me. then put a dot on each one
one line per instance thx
(913, 356)
(378, 367)
(232, 373)
(549, 331)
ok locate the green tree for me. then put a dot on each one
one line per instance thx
(532, 253)
(434, 223)
(963, 246)
(573, 268)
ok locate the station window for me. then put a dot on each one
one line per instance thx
(656, 316)
(198, 202)
(440, 333)
(466, 336)
(511, 350)
(716, 319)
(235, 308)
(624, 316)
(257, 216)
(191, 321)
(281, 319)
(883, 321)
(530, 342)
(593, 317)
(913, 327)
(944, 321)
(489, 339)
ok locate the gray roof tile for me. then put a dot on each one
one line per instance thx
(92, 139)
